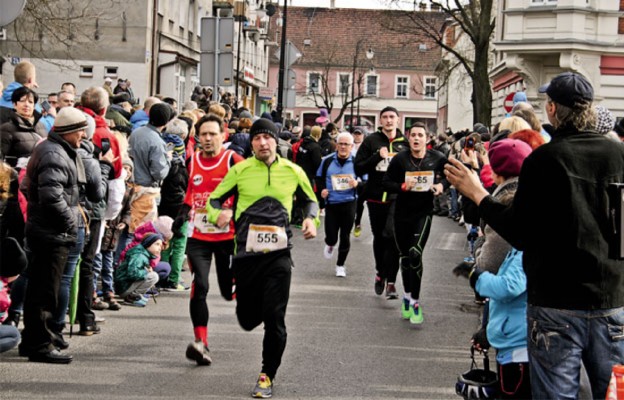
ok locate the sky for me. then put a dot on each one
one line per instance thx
(379, 4)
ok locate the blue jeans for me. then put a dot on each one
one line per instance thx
(66, 279)
(103, 266)
(9, 337)
(124, 240)
(560, 340)
(454, 202)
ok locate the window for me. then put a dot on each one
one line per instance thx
(371, 85)
(543, 2)
(344, 83)
(314, 82)
(86, 70)
(430, 87)
(110, 72)
(402, 83)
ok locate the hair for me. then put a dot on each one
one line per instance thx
(169, 100)
(177, 127)
(345, 135)
(189, 105)
(217, 110)
(191, 119)
(6, 176)
(66, 92)
(529, 116)
(210, 118)
(513, 124)
(68, 84)
(520, 106)
(123, 144)
(149, 102)
(316, 132)
(581, 116)
(227, 108)
(23, 91)
(529, 136)
(23, 72)
(53, 94)
(95, 98)
(330, 127)
(418, 124)
(443, 137)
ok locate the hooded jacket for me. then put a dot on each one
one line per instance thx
(139, 119)
(133, 268)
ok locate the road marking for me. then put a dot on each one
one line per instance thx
(451, 241)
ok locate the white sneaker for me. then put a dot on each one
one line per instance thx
(328, 252)
(341, 271)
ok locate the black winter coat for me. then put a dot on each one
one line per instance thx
(309, 157)
(173, 189)
(93, 191)
(17, 139)
(51, 187)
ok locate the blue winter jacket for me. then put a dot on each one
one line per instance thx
(336, 196)
(507, 326)
(139, 119)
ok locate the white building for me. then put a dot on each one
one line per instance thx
(538, 39)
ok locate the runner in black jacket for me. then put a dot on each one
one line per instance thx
(416, 175)
(373, 158)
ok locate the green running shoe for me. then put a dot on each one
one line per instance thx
(417, 315)
(406, 310)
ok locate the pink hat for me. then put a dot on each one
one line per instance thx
(507, 156)
(324, 118)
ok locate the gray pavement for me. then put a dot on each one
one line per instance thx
(344, 342)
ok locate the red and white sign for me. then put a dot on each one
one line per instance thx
(266, 93)
(508, 103)
(249, 75)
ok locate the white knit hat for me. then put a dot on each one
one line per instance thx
(69, 120)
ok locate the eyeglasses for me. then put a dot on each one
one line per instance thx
(344, 144)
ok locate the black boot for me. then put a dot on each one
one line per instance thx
(57, 338)
(13, 318)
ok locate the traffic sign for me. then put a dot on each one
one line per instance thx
(508, 103)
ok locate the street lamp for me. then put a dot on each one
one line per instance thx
(369, 56)
(282, 65)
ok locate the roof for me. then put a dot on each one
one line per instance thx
(334, 34)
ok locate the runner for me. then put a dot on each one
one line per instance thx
(207, 169)
(264, 186)
(336, 182)
(416, 175)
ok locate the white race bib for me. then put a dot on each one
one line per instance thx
(341, 182)
(423, 179)
(200, 221)
(383, 164)
(266, 238)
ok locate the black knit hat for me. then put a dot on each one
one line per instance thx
(160, 114)
(150, 238)
(263, 125)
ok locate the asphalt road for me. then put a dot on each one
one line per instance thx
(344, 342)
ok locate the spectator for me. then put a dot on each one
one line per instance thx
(135, 276)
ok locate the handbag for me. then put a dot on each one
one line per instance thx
(477, 383)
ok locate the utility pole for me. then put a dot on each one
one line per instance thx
(282, 67)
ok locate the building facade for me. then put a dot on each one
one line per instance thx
(153, 43)
(346, 54)
(538, 39)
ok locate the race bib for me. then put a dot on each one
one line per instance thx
(266, 238)
(200, 222)
(423, 179)
(341, 182)
(383, 164)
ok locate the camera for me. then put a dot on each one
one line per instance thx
(470, 143)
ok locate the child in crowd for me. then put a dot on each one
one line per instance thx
(135, 276)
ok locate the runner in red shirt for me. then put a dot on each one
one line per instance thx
(206, 170)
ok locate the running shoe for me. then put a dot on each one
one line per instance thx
(264, 388)
(328, 252)
(198, 352)
(391, 293)
(357, 231)
(341, 271)
(406, 310)
(379, 285)
(417, 316)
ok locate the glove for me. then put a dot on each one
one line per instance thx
(474, 276)
(179, 221)
(463, 269)
(480, 340)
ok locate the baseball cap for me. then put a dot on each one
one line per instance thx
(569, 89)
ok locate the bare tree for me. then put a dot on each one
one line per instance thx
(63, 29)
(475, 19)
(349, 94)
